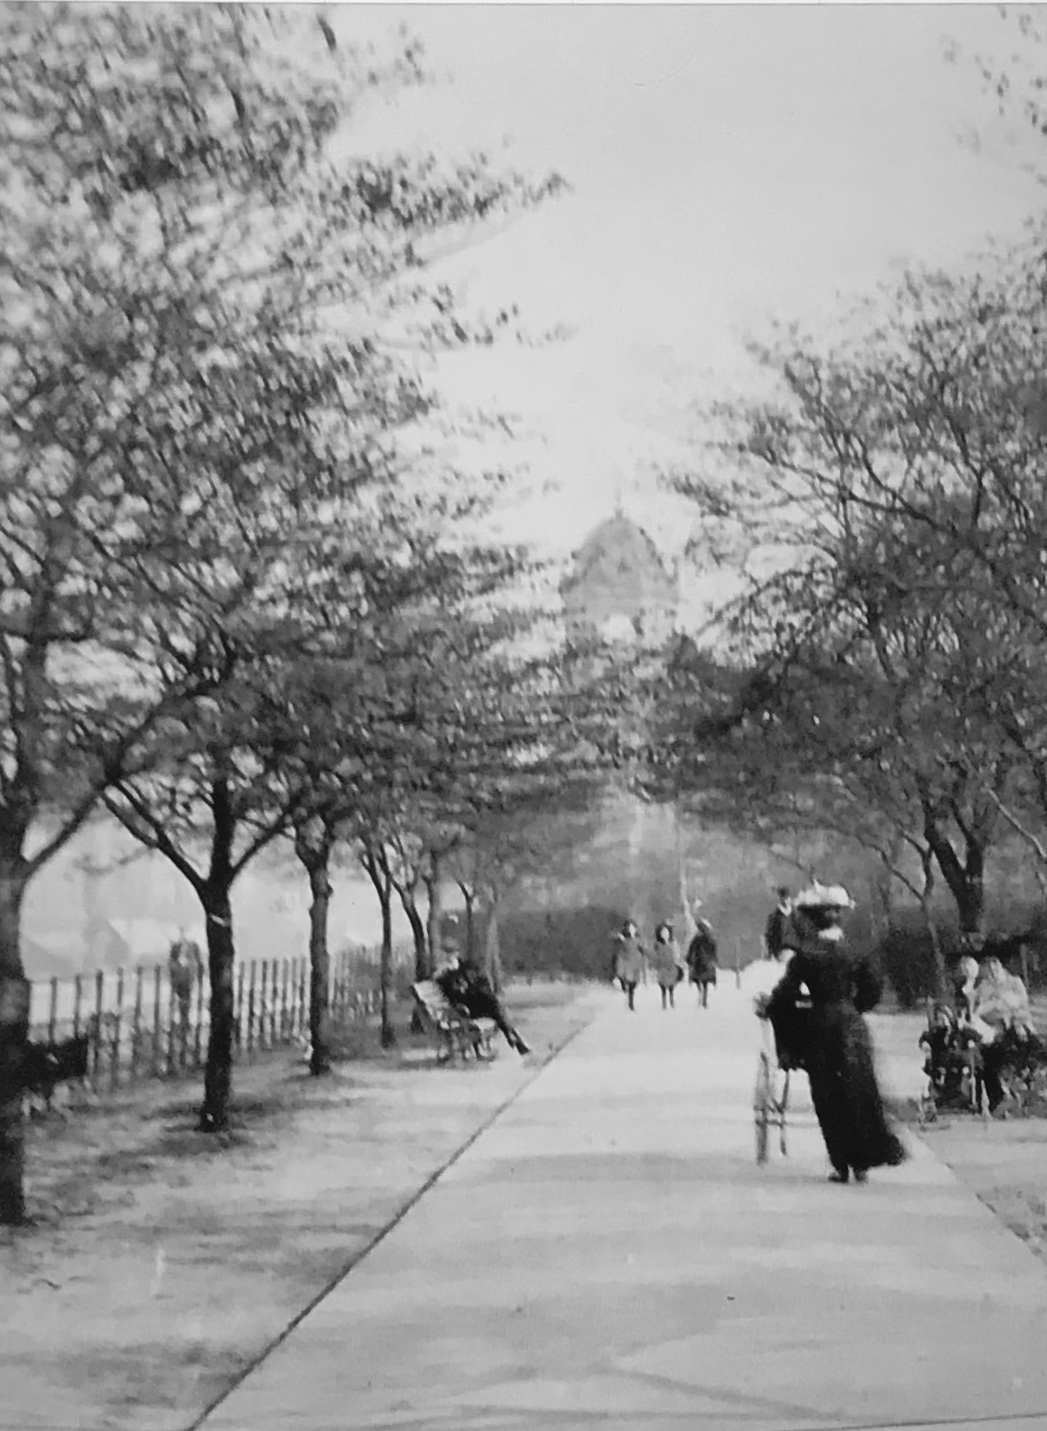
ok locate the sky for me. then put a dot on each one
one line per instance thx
(730, 164)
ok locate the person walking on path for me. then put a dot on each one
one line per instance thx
(701, 959)
(839, 986)
(777, 924)
(629, 960)
(667, 964)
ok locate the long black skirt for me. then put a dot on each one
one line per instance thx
(847, 1101)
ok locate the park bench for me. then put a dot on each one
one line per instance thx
(454, 1033)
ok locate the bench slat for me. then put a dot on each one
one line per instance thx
(456, 1031)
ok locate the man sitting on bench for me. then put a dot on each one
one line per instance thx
(470, 991)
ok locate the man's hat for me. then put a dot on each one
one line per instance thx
(824, 896)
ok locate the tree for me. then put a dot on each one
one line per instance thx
(373, 702)
(314, 841)
(219, 796)
(374, 856)
(904, 467)
(533, 786)
(207, 304)
(409, 861)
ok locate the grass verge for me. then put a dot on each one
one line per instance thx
(163, 1261)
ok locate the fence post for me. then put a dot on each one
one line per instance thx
(251, 1009)
(263, 1005)
(158, 1025)
(267, 1012)
(52, 1012)
(238, 1025)
(78, 995)
(114, 1066)
(274, 1004)
(136, 1023)
(172, 1054)
(303, 995)
(96, 1052)
(285, 980)
(198, 1030)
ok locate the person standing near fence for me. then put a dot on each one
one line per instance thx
(184, 969)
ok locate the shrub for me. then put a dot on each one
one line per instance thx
(559, 941)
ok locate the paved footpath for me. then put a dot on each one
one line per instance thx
(608, 1254)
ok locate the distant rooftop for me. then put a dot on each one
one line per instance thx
(620, 537)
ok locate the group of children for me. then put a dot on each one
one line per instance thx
(632, 959)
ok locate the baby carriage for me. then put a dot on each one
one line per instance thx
(953, 1065)
(784, 1040)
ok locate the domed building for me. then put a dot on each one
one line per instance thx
(618, 588)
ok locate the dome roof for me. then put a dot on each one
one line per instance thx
(621, 538)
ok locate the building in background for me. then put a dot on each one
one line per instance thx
(618, 589)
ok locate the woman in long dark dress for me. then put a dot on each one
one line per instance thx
(701, 960)
(838, 987)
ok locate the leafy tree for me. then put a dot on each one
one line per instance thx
(378, 700)
(374, 856)
(210, 310)
(904, 466)
(217, 796)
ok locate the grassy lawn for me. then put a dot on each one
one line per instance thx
(1003, 1161)
(164, 1261)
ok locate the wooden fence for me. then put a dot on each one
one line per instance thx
(139, 1028)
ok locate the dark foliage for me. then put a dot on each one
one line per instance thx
(559, 941)
(908, 958)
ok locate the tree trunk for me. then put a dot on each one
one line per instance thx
(883, 899)
(423, 965)
(926, 894)
(221, 952)
(319, 966)
(434, 891)
(376, 863)
(971, 905)
(492, 949)
(313, 843)
(388, 1036)
(470, 923)
(14, 1034)
(966, 878)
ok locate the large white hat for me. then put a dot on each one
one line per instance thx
(823, 896)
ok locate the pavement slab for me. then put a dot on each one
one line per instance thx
(608, 1254)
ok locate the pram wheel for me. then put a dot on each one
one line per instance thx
(761, 1107)
(769, 1110)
